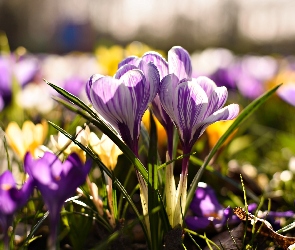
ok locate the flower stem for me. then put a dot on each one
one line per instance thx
(54, 217)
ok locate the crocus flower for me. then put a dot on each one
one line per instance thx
(123, 99)
(23, 70)
(27, 139)
(11, 199)
(56, 181)
(287, 93)
(192, 105)
(207, 211)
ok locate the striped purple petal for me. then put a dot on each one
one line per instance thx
(227, 113)
(216, 100)
(122, 102)
(180, 63)
(133, 60)
(92, 79)
(206, 83)
(122, 70)
(158, 61)
(168, 93)
(191, 105)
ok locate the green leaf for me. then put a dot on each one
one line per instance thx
(153, 184)
(243, 116)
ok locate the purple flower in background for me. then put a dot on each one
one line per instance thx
(226, 77)
(11, 199)
(56, 181)
(123, 99)
(254, 72)
(74, 85)
(207, 211)
(23, 70)
(287, 93)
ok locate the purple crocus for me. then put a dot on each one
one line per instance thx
(11, 199)
(179, 63)
(123, 99)
(207, 211)
(23, 69)
(193, 105)
(287, 93)
(57, 181)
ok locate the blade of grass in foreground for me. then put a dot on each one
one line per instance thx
(243, 115)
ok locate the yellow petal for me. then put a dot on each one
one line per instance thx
(15, 139)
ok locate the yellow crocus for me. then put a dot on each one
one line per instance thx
(109, 58)
(26, 139)
(216, 130)
(106, 149)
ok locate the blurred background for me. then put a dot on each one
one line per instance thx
(265, 26)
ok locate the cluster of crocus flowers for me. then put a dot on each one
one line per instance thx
(26, 139)
(178, 99)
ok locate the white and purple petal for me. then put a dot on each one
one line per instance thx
(191, 105)
(167, 94)
(180, 63)
(133, 60)
(216, 100)
(227, 113)
(206, 83)
(158, 61)
(122, 70)
(89, 83)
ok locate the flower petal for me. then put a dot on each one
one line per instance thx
(91, 80)
(6, 180)
(167, 93)
(180, 63)
(118, 100)
(227, 113)
(122, 70)
(159, 62)
(287, 93)
(191, 105)
(207, 84)
(134, 60)
(216, 100)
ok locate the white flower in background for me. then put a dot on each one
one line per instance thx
(35, 97)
